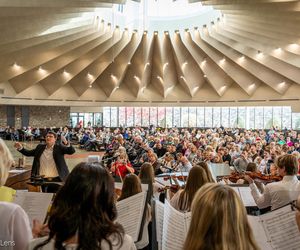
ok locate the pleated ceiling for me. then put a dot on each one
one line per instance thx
(251, 54)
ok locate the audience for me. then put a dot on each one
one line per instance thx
(219, 221)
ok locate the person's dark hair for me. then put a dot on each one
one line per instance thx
(252, 167)
(51, 132)
(131, 186)
(146, 176)
(204, 165)
(289, 162)
(85, 206)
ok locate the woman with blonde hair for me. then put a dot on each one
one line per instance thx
(15, 225)
(183, 198)
(219, 221)
(204, 165)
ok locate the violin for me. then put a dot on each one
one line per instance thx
(173, 188)
(255, 176)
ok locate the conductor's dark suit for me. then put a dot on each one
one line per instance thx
(58, 155)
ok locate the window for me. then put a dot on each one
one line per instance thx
(250, 117)
(259, 117)
(277, 117)
(122, 116)
(184, 117)
(200, 117)
(241, 119)
(114, 117)
(153, 116)
(176, 117)
(296, 120)
(129, 116)
(268, 117)
(208, 117)
(169, 117)
(145, 117)
(286, 117)
(192, 117)
(225, 117)
(106, 116)
(137, 116)
(161, 117)
(233, 119)
(216, 117)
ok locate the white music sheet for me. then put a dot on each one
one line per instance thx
(35, 204)
(280, 229)
(130, 214)
(159, 222)
(175, 228)
(245, 195)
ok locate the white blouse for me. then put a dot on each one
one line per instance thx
(15, 231)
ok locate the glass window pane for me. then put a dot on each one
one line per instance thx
(176, 117)
(286, 117)
(200, 117)
(129, 116)
(225, 117)
(137, 116)
(145, 117)
(74, 121)
(296, 120)
(88, 119)
(184, 117)
(233, 117)
(250, 117)
(122, 116)
(216, 117)
(268, 117)
(169, 117)
(208, 117)
(192, 117)
(277, 117)
(98, 119)
(161, 116)
(153, 116)
(241, 117)
(259, 117)
(106, 116)
(114, 117)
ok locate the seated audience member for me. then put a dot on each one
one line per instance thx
(240, 164)
(121, 167)
(204, 165)
(83, 213)
(219, 221)
(183, 198)
(132, 186)
(280, 193)
(167, 163)
(6, 161)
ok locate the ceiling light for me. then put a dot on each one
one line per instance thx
(155, 33)
(129, 63)
(166, 33)
(16, 66)
(91, 85)
(282, 84)
(222, 60)
(205, 76)
(145, 32)
(177, 31)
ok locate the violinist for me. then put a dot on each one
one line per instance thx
(121, 167)
(278, 194)
(182, 200)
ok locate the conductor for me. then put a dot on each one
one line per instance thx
(49, 160)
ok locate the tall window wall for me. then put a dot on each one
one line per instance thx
(92, 119)
(243, 117)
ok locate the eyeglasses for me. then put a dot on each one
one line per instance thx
(294, 206)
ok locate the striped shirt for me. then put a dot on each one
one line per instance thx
(47, 164)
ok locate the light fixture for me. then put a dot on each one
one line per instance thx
(205, 76)
(41, 69)
(251, 86)
(136, 77)
(145, 32)
(16, 66)
(278, 50)
(177, 31)
(129, 63)
(155, 33)
(222, 60)
(91, 85)
(282, 84)
(166, 33)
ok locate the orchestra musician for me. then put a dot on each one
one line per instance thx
(280, 193)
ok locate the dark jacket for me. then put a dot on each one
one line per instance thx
(58, 155)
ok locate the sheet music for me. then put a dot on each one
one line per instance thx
(219, 169)
(281, 229)
(245, 195)
(130, 213)
(159, 219)
(35, 204)
(174, 228)
(259, 232)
